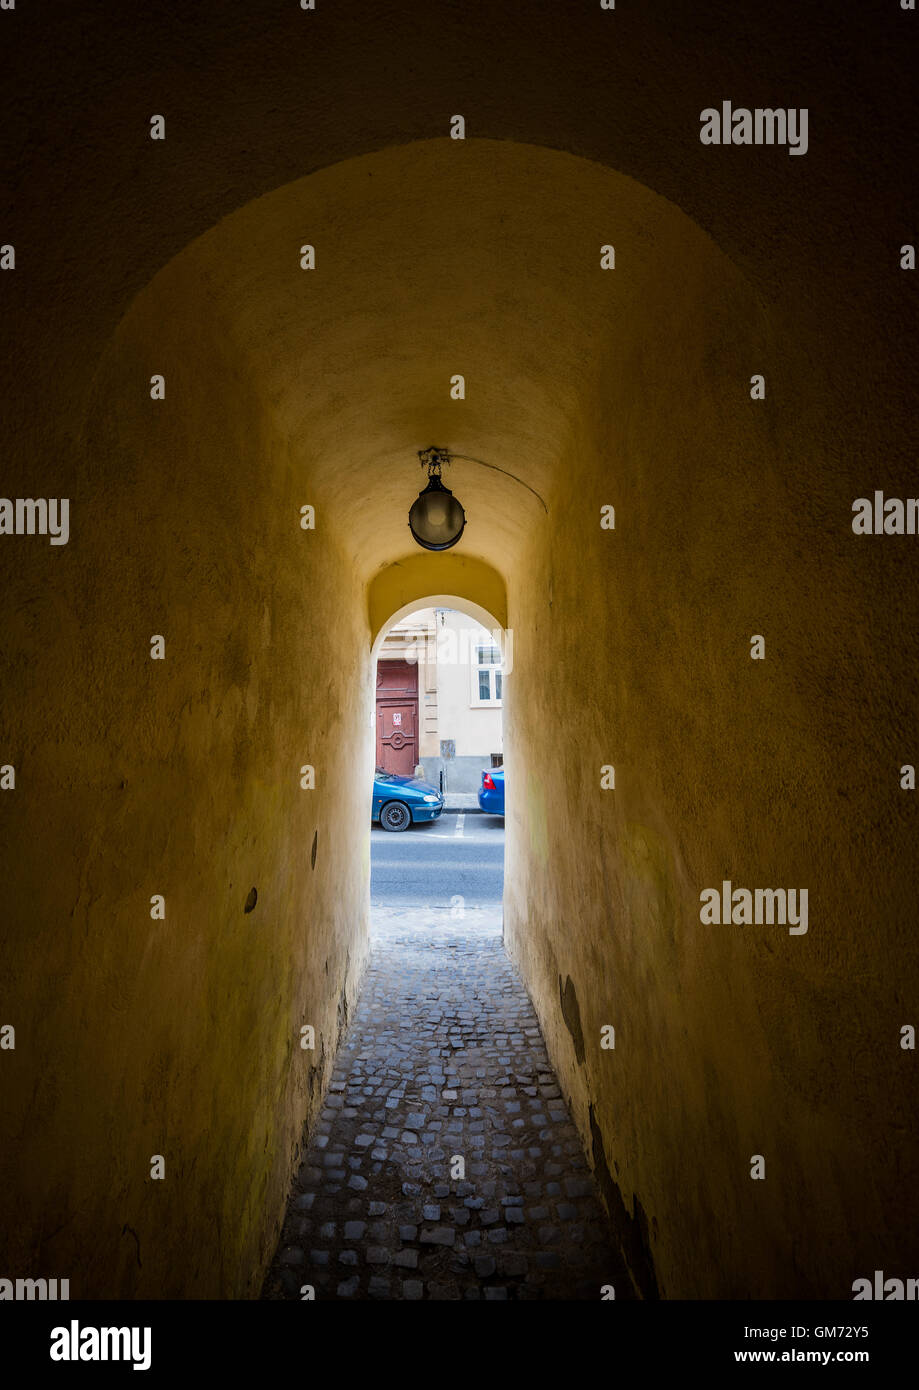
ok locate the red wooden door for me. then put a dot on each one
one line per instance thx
(397, 717)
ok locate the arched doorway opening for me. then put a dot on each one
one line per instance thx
(443, 676)
(451, 660)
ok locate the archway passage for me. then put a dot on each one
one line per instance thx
(184, 779)
(444, 1163)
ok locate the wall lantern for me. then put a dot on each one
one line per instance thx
(436, 519)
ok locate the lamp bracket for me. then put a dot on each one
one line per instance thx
(434, 460)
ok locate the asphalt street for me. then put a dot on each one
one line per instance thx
(429, 865)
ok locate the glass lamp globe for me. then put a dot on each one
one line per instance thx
(436, 519)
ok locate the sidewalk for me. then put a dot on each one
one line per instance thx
(462, 801)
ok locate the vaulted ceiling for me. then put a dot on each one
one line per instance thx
(433, 260)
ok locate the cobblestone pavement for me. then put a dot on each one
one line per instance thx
(443, 1057)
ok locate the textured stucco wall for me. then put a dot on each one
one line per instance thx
(178, 777)
(730, 1041)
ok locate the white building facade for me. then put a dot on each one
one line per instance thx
(440, 676)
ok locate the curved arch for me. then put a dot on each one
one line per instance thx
(682, 201)
(444, 581)
(427, 266)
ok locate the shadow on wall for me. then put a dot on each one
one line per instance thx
(632, 1231)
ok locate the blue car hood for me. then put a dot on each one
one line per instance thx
(415, 783)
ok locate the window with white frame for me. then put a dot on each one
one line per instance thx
(486, 674)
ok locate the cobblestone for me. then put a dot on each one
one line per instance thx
(443, 1059)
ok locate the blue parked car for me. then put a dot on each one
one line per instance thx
(398, 802)
(491, 792)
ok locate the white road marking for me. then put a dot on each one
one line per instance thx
(470, 839)
(460, 821)
(477, 834)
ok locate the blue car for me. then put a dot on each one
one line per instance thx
(491, 792)
(399, 802)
